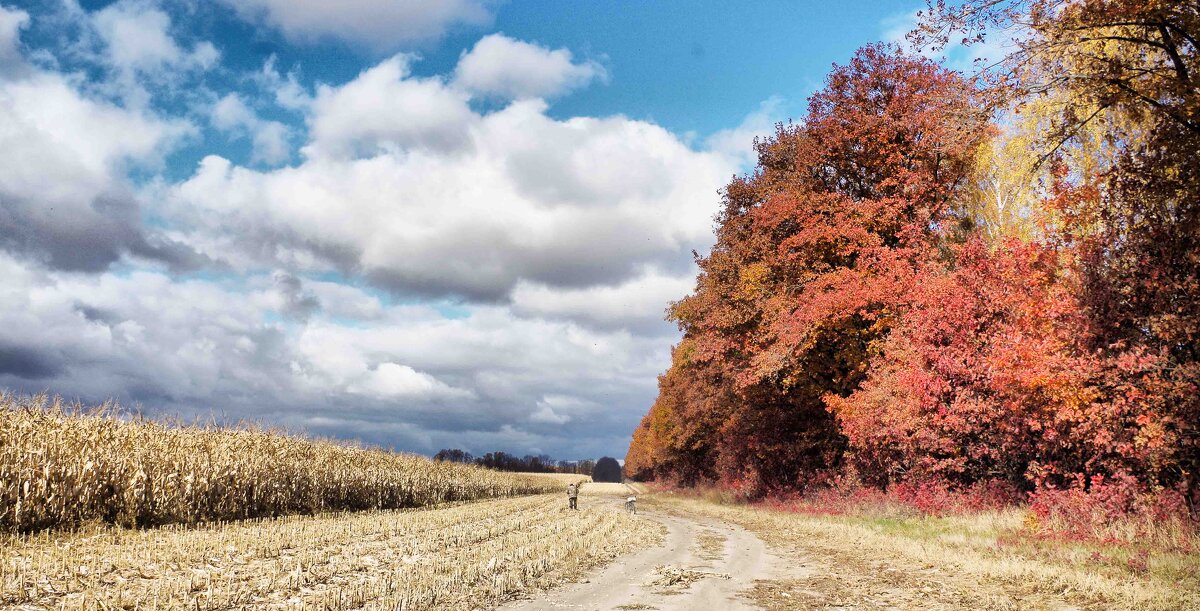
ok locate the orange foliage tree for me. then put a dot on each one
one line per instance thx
(813, 254)
(855, 318)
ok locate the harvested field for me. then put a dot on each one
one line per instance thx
(605, 489)
(562, 479)
(469, 556)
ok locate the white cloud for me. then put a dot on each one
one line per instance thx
(502, 67)
(547, 415)
(738, 142)
(379, 24)
(270, 143)
(341, 301)
(640, 303)
(287, 90)
(395, 381)
(405, 184)
(386, 110)
(195, 347)
(136, 35)
(426, 276)
(12, 21)
(231, 112)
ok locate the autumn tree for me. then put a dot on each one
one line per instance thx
(990, 376)
(675, 441)
(1124, 73)
(815, 254)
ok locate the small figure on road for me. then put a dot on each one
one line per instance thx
(572, 496)
(630, 504)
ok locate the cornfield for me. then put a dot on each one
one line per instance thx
(62, 466)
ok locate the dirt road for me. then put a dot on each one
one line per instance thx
(701, 564)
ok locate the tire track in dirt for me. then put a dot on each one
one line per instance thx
(699, 565)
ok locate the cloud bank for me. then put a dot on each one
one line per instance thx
(378, 24)
(413, 261)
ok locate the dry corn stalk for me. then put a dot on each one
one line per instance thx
(62, 466)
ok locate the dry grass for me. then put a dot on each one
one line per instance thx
(469, 556)
(62, 466)
(969, 561)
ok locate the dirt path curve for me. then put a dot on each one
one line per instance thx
(700, 565)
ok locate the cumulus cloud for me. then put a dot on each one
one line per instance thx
(738, 142)
(135, 33)
(407, 186)
(387, 110)
(233, 116)
(407, 377)
(285, 89)
(291, 298)
(426, 275)
(396, 381)
(548, 415)
(503, 67)
(87, 216)
(377, 24)
(639, 303)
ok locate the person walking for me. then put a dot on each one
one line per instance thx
(631, 504)
(572, 496)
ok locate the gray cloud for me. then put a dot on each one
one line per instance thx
(296, 302)
(86, 236)
(29, 363)
(64, 197)
(405, 377)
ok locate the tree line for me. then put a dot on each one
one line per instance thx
(606, 469)
(991, 278)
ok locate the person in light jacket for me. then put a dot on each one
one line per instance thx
(572, 496)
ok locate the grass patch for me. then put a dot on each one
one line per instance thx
(994, 558)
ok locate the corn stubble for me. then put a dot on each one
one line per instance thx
(468, 556)
(62, 466)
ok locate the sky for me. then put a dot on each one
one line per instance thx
(418, 224)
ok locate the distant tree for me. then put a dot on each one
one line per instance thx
(585, 467)
(503, 461)
(607, 470)
(454, 455)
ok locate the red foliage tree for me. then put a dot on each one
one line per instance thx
(990, 375)
(848, 316)
(1128, 70)
(813, 251)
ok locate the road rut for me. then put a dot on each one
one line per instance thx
(700, 565)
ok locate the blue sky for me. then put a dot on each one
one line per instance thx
(419, 224)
